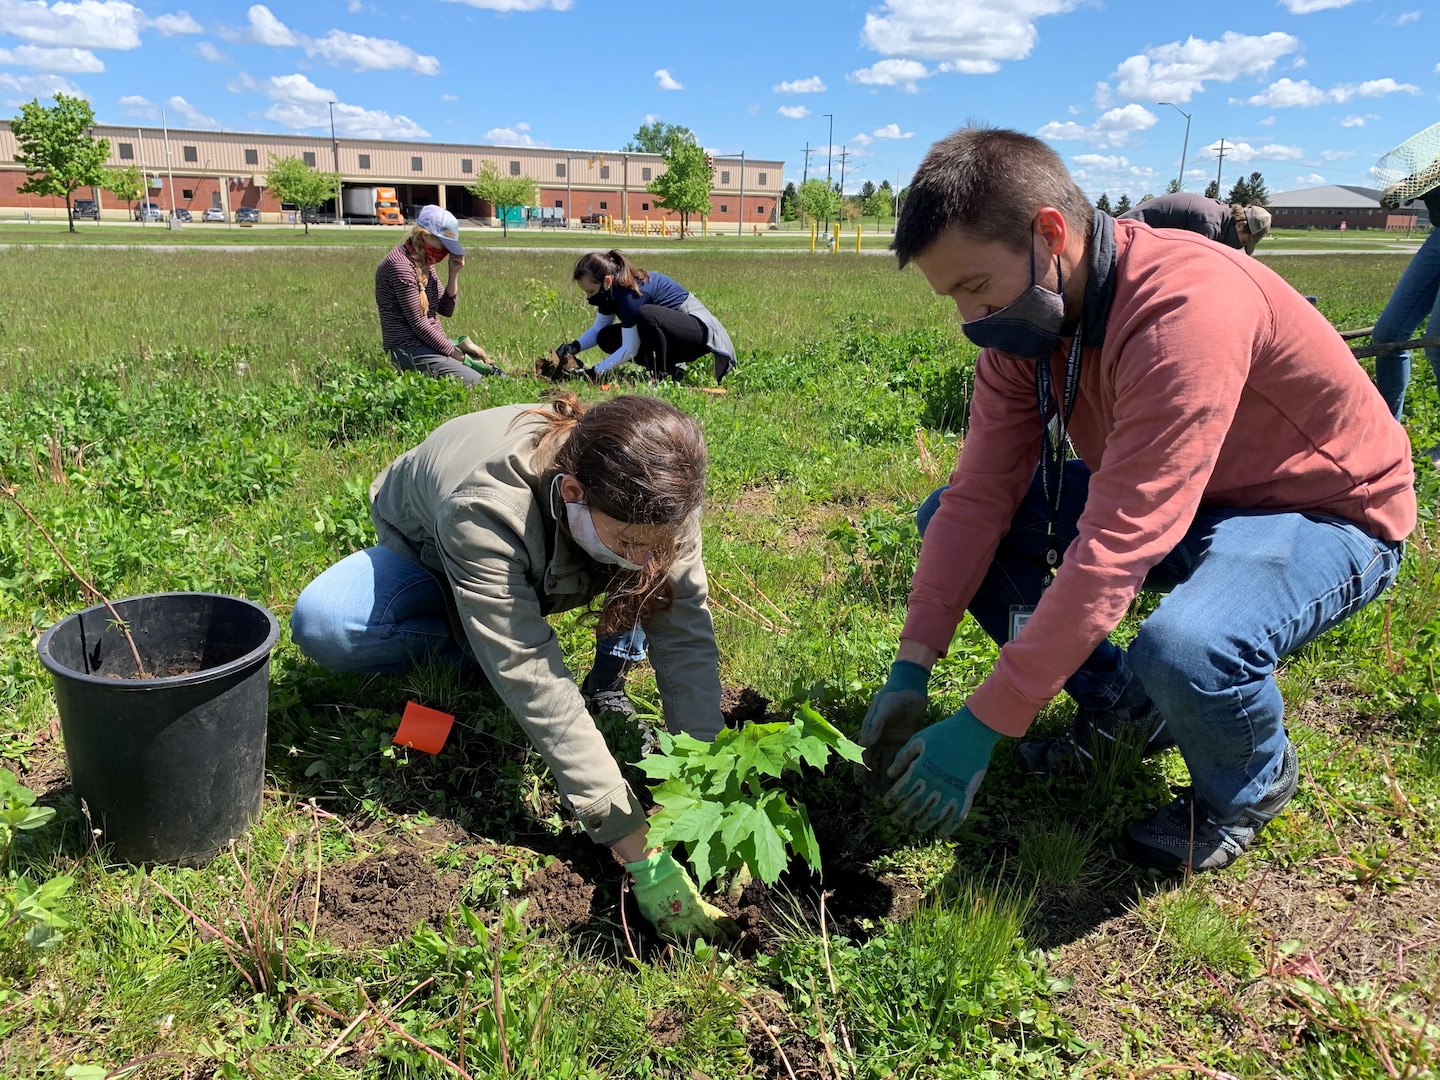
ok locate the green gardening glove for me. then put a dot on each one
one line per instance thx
(669, 899)
(897, 712)
(939, 771)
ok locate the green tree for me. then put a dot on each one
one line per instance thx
(1259, 193)
(866, 190)
(789, 209)
(59, 154)
(1123, 205)
(819, 200)
(1145, 198)
(1239, 193)
(1103, 203)
(880, 205)
(1212, 189)
(1173, 187)
(684, 185)
(504, 193)
(656, 137)
(125, 183)
(304, 186)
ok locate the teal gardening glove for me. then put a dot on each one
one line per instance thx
(939, 771)
(669, 899)
(896, 713)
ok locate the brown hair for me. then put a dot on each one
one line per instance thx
(640, 461)
(416, 247)
(596, 265)
(989, 182)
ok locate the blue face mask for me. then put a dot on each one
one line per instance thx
(1027, 327)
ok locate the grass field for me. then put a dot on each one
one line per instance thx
(210, 421)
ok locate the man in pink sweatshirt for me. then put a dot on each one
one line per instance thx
(1231, 453)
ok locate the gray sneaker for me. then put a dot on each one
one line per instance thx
(1076, 747)
(1184, 834)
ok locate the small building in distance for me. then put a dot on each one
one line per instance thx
(1326, 207)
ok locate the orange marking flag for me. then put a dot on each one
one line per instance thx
(422, 728)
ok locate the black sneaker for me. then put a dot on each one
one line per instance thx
(616, 701)
(1076, 747)
(1184, 834)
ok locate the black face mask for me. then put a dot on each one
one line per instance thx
(601, 298)
(1027, 327)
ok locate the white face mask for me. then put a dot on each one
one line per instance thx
(582, 531)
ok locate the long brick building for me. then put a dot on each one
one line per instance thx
(198, 170)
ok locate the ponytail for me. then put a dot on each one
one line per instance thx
(415, 246)
(597, 266)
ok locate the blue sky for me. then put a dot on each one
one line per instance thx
(1306, 91)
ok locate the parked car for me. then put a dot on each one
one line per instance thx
(85, 208)
(248, 213)
(149, 211)
(213, 214)
(181, 214)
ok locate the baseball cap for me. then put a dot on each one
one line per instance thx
(1257, 224)
(441, 224)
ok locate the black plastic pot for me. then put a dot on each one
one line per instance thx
(171, 767)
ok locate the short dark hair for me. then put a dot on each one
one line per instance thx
(989, 182)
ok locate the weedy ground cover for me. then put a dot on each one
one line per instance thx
(212, 420)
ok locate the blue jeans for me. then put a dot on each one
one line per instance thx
(1244, 588)
(376, 611)
(1416, 295)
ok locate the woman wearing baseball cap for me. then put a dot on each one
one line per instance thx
(411, 303)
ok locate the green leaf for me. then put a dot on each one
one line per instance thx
(86, 1072)
(764, 748)
(818, 727)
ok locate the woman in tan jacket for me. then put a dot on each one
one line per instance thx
(503, 517)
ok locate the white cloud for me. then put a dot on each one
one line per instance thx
(67, 61)
(1242, 152)
(1406, 17)
(266, 29)
(210, 53)
(813, 85)
(1336, 155)
(1359, 121)
(1310, 179)
(298, 103)
(1287, 93)
(170, 25)
(754, 110)
(340, 48)
(449, 97)
(89, 24)
(1179, 70)
(1101, 161)
(519, 135)
(508, 6)
(370, 54)
(354, 7)
(1115, 127)
(899, 73)
(665, 81)
(193, 117)
(891, 131)
(294, 89)
(178, 111)
(793, 112)
(37, 86)
(862, 140)
(1309, 7)
(967, 36)
(1269, 121)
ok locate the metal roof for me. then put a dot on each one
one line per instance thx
(1330, 196)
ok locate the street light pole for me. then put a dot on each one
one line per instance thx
(335, 149)
(1186, 146)
(169, 169)
(740, 225)
(829, 154)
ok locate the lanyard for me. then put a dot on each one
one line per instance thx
(1056, 450)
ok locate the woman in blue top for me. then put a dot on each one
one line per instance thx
(662, 326)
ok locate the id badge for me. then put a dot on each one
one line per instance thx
(1019, 616)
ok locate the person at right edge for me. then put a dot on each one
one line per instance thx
(1230, 453)
(1416, 297)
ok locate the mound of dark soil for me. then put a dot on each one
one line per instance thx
(381, 899)
(743, 705)
(559, 897)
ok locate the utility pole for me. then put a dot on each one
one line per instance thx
(829, 155)
(806, 174)
(168, 169)
(844, 156)
(1219, 164)
(335, 148)
(1180, 183)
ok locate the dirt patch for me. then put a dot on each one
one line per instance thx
(777, 1047)
(381, 899)
(667, 1027)
(559, 897)
(741, 705)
